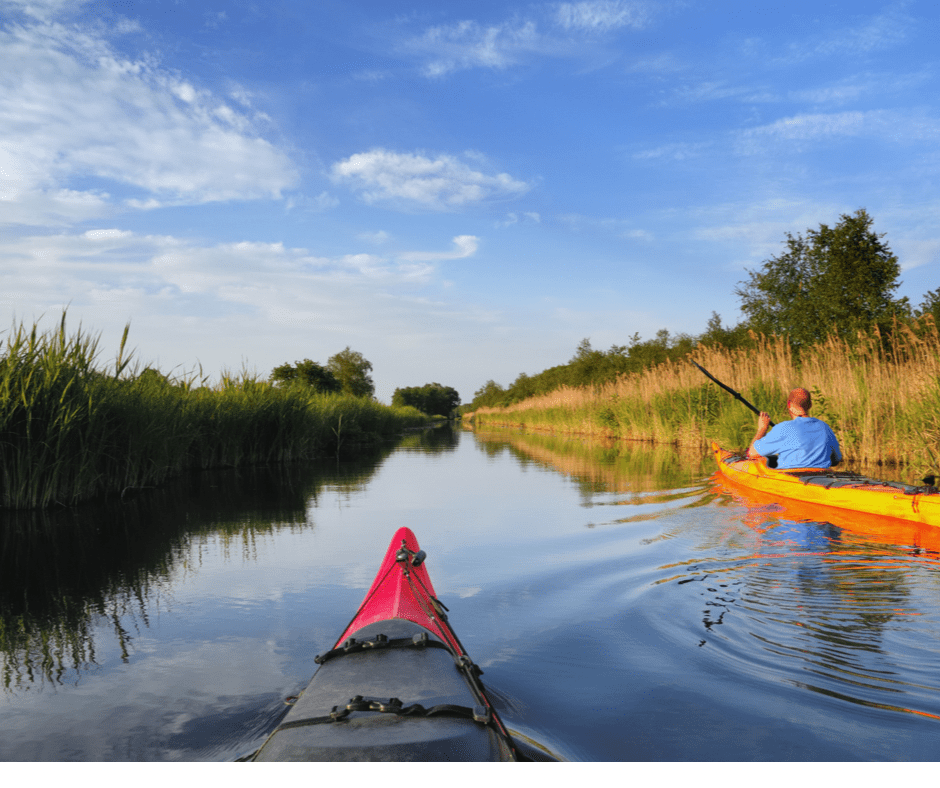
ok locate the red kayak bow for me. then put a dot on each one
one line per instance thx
(402, 589)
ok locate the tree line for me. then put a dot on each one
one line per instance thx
(838, 280)
(347, 372)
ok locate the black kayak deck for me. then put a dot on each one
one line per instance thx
(401, 703)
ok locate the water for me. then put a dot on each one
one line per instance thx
(623, 605)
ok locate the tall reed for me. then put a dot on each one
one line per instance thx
(881, 398)
(70, 431)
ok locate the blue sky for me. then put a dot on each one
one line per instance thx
(460, 191)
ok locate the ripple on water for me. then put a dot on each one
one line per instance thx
(795, 603)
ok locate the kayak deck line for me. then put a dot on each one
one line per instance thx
(392, 706)
(839, 489)
(397, 685)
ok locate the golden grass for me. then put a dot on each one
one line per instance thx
(883, 404)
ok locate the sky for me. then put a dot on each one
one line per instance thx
(460, 191)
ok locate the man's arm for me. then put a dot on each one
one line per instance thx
(763, 424)
(836, 455)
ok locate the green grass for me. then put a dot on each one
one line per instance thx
(70, 431)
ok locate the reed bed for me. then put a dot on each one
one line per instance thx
(70, 431)
(881, 398)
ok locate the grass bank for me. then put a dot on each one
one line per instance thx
(884, 405)
(71, 431)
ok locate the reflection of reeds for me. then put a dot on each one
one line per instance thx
(607, 465)
(884, 404)
(70, 432)
(77, 585)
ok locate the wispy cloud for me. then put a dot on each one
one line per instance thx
(468, 44)
(862, 36)
(601, 15)
(444, 182)
(885, 30)
(265, 277)
(218, 303)
(889, 125)
(464, 246)
(71, 108)
(526, 217)
(556, 30)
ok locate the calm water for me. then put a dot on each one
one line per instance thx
(622, 604)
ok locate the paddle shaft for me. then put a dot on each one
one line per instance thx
(730, 390)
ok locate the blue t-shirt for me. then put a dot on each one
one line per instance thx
(803, 442)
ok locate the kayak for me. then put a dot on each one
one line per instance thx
(397, 684)
(827, 487)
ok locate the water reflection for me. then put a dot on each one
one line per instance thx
(827, 596)
(600, 465)
(63, 573)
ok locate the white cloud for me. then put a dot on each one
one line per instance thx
(464, 246)
(440, 183)
(71, 108)
(42, 9)
(600, 15)
(527, 217)
(377, 238)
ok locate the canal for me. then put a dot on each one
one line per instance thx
(623, 604)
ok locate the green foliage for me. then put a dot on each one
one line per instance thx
(717, 335)
(837, 280)
(352, 372)
(431, 398)
(306, 373)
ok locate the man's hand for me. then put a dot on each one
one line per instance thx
(763, 424)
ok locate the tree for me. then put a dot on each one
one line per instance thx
(489, 395)
(352, 372)
(836, 280)
(930, 306)
(306, 373)
(431, 398)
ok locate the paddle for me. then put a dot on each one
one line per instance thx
(730, 390)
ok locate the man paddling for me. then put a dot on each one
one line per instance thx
(803, 442)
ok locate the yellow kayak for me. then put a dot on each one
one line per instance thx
(828, 487)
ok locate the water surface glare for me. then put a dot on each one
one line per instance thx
(623, 604)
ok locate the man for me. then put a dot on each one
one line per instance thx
(804, 442)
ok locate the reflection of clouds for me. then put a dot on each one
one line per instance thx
(173, 688)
